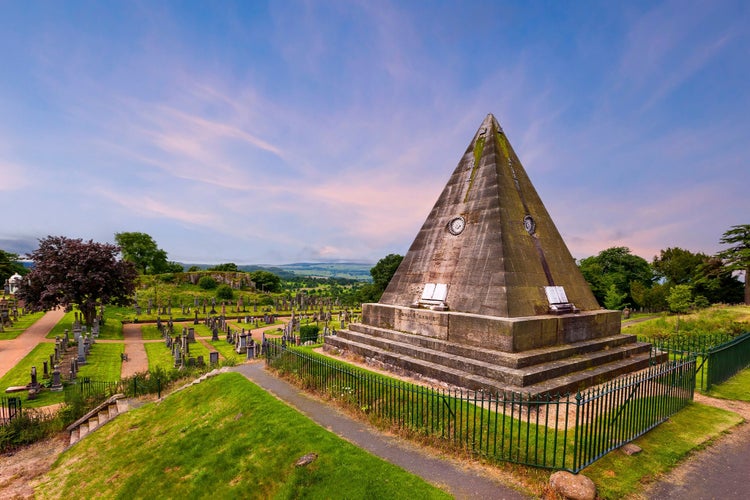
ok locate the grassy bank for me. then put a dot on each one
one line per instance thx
(241, 445)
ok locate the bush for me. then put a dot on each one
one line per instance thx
(224, 292)
(308, 333)
(207, 283)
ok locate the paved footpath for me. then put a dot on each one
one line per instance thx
(14, 350)
(452, 477)
(720, 471)
(137, 359)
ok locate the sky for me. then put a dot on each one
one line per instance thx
(311, 131)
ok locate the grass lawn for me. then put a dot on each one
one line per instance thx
(618, 474)
(20, 326)
(737, 387)
(159, 355)
(104, 362)
(150, 332)
(227, 350)
(243, 444)
(66, 323)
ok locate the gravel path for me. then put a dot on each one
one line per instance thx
(137, 359)
(14, 350)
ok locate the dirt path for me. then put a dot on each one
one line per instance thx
(14, 350)
(137, 359)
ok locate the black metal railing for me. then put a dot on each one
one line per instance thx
(559, 432)
(10, 408)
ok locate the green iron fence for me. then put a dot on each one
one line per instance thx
(138, 385)
(568, 432)
(10, 408)
(718, 356)
(727, 359)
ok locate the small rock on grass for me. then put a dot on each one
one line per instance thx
(573, 486)
(306, 460)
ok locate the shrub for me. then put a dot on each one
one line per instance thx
(224, 292)
(207, 283)
(308, 333)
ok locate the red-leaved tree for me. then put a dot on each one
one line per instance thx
(73, 272)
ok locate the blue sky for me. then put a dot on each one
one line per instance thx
(280, 132)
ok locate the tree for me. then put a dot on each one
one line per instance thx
(680, 298)
(9, 266)
(737, 257)
(73, 272)
(678, 266)
(224, 292)
(207, 283)
(615, 266)
(141, 250)
(266, 281)
(384, 270)
(228, 267)
(614, 300)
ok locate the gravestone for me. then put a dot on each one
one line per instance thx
(213, 357)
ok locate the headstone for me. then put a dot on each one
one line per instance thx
(56, 382)
(213, 357)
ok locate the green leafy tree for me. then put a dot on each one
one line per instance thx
(228, 267)
(266, 281)
(73, 272)
(678, 266)
(142, 251)
(680, 298)
(207, 283)
(717, 283)
(9, 266)
(224, 292)
(384, 270)
(737, 257)
(613, 299)
(615, 266)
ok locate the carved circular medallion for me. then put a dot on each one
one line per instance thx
(456, 225)
(529, 224)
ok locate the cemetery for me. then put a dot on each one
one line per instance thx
(487, 342)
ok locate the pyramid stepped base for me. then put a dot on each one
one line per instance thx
(554, 370)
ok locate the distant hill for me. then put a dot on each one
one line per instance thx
(351, 270)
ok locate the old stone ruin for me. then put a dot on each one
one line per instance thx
(488, 295)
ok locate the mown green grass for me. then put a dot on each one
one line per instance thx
(618, 474)
(159, 355)
(241, 445)
(737, 387)
(20, 326)
(104, 362)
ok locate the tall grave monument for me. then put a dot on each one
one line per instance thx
(488, 296)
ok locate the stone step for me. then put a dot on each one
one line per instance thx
(509, 359)
(74, 436)
(93, 422)
(112, 410)
(103, 416)
(459, 375)
(83, 429)
(510, 376)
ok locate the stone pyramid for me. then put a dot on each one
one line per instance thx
(490, 240)
(488, 295)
